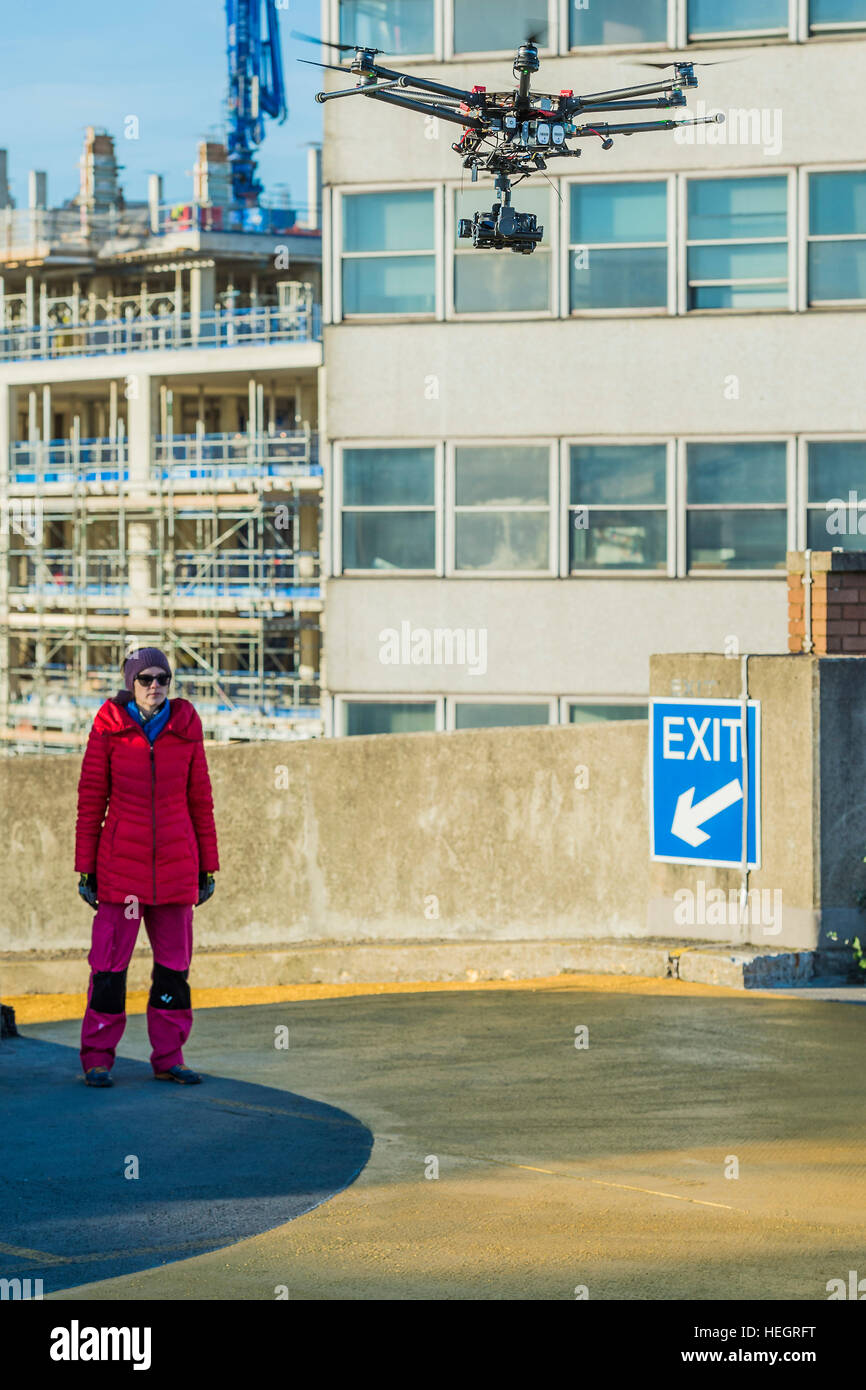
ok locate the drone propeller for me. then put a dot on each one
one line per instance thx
(326, 43)
(718, 63)
(333, 67)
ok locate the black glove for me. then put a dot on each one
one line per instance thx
(206, 886)
(87, 889)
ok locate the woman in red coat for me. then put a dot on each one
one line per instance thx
(145, 845)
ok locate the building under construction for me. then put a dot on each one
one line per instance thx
(159, 381)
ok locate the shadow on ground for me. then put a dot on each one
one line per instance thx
(215, 1164)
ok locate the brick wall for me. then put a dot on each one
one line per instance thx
(838, 618)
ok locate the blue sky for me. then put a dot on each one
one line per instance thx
(68, 64)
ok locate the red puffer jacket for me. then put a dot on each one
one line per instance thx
(159, 831)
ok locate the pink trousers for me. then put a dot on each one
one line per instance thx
(169, 1011)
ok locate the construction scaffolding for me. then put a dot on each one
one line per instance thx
(214, 558)
(159, 473)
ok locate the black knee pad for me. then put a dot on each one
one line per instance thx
(108, 995)
(169, 989)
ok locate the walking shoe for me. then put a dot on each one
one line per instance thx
(184, 1075)
(98, 1076)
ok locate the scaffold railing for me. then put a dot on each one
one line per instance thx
(218, 328)
(230, 455)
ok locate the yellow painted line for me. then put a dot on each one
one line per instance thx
(599, 1182)
(698, 1202)
(45, 1008)
(626, 1187)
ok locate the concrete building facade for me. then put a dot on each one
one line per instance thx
(542, 469)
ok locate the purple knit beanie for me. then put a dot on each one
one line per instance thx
(139, 659)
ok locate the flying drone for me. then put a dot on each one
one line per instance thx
(513, 135)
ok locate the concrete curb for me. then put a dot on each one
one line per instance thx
(402, 961)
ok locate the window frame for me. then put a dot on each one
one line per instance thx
(552, 236)
(451, 55)
(787, 35)
(789, 504)
(787, 172)
(647, 46)
(804, 440)
(391, 698)
(805, 172)
(333, 16)
(669, 507)
(337, 451)
(553, 508)
(565, 310)
(624, 700)
(452, 701)
(352, 190)
(844, 30)
(799, 30)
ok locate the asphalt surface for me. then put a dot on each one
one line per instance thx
(98, 1183)
(559, 1168)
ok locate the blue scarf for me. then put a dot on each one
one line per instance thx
(155, 724)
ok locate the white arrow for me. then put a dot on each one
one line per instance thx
(688, 818)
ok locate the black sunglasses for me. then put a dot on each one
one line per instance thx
(148, 680)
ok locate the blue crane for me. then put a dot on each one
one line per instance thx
(256, 88)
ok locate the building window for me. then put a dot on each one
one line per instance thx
(493, 26)
(737, 243)
(829, 15)
(601, 714)
(837, 237)
(836, 508)
(618, 506)
(389, 716)
(472, 714)
(394, 26)
(389, 509)
(489, 282)
(389, 263)
(502, 508)
(720, 18)
(618, 252)
(736, 506)
(617, 22)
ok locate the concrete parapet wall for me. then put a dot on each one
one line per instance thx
(481, 834)
(529, 835)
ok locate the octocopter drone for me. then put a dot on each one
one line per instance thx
(513, 135)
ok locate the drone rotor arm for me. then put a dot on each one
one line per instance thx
(361, 90)
(576, 104)
(662, 103)
(626, 128)
(425, 84)
(444, 113)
